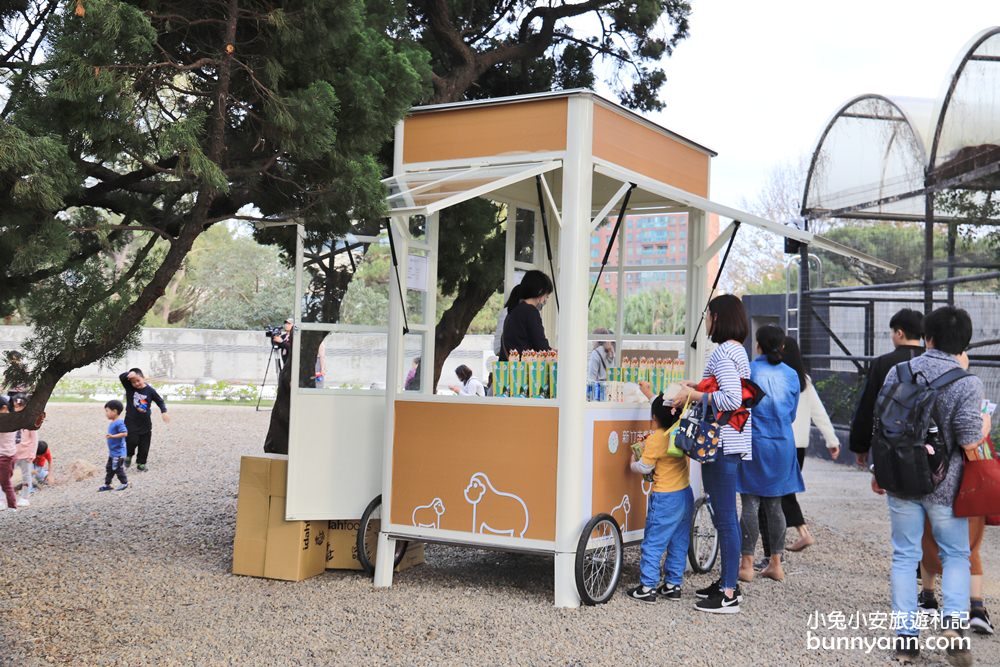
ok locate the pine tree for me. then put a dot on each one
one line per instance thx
(130, 128)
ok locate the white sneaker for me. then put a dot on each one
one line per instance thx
(23, 502)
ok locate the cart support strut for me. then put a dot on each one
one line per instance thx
(399, 285)
(545, 232)
(715, 284)
(611, 241)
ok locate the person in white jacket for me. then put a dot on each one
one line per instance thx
(810, 411)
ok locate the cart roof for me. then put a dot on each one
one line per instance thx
(513, 149)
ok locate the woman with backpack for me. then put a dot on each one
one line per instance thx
(772, 471)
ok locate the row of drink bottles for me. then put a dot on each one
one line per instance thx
(527, 375)
(659, 373)
(535, 375)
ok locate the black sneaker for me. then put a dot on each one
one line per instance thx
(142, 467)
(979, 621)
(907, 648)
(669, 591)
(715, 588)
(719, 604)
(927, 603)
(959, 654)
(128, 461)
(642, 594)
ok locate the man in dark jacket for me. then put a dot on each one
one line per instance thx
(907, 330)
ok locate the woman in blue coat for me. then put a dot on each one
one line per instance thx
(773, 470)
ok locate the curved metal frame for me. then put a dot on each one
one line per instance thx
(938, 119)
(933, 178)
(942, 110)
(806, 211)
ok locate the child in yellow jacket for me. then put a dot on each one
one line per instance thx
(668, 517)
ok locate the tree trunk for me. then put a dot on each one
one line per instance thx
(276, 441)
(455, 321)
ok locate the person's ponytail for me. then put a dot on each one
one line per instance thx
(514, 298)
(771, 341)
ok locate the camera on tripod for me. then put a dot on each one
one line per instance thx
(272, 331)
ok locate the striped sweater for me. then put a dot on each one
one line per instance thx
(728, 363)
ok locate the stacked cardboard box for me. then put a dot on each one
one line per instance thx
(342, 547)
(266, 545)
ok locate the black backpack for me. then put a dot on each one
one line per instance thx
(905, 430)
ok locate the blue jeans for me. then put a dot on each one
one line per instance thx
(952, 537)
(719, 480)
(668, 527)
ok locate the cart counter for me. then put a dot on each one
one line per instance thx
(483, 471)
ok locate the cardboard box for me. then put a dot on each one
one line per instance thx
(342, 547)
(266, 545)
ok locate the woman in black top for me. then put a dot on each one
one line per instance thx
(523, 329)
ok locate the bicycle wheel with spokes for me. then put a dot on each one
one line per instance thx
(368, 529)
(599, 558)
(703, 550)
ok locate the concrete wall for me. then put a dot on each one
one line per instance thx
(240, 357)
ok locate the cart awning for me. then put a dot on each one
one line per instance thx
(426, 192)
(694, 201)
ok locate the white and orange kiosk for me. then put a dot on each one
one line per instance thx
(535, 475)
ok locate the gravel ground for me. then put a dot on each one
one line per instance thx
(142, 578)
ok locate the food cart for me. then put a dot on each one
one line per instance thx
(545, 475)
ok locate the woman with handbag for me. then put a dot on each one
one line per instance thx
(773, 470)
(727, 325)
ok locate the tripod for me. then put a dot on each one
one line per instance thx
(277, 372)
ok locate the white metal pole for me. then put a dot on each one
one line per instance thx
(394, 355)
(697, 291)
(620, 293)
(573, 279)
(430, 304)
(293, 396)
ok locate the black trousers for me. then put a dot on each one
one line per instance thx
(115, 467)
(790, 507)
(138, 442)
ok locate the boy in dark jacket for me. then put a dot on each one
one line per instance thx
(139, 399)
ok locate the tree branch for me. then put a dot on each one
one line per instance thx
(112, 180)
(128, 228)
(440, 23)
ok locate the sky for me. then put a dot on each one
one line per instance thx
(756, 81)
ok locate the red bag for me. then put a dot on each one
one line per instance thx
(752, 395)
(979, 493)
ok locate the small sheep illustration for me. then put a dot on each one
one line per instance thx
(495, 512)
(429, 515)
(621, 511)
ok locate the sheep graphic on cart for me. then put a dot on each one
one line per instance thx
(429, 515)
(495, 512)
(621, 511)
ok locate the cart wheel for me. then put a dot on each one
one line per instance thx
(599, 560)
(704, 547)
(368, 529)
